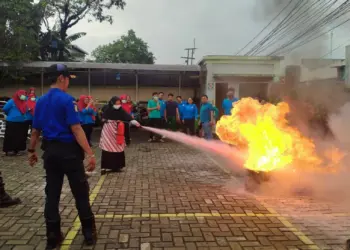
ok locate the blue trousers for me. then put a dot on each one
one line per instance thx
(207, 129)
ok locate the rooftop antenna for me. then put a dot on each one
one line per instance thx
(188, 57)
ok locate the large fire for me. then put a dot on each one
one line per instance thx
(270, 141)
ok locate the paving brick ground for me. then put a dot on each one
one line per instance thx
(169, 197)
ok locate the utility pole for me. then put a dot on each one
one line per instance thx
(331, 45)
(188, 57)
(347, 66)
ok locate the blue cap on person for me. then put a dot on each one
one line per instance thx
(55, 70)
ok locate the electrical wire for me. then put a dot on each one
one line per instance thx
(310, 27)
(304, 18)
(285, 7)
(280, 25)
(313, 38)
(312, 30)
(336, 48)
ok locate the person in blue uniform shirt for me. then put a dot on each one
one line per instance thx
(180, 106)
(57, 118)
(228, 103)
(206, 116)
(16, 131)
(162, 105)
(189, 116)
(87, 114)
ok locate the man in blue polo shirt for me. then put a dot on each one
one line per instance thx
(56, 116)
(228, 103)
(206, 116)
(162, 104)
(180, 105)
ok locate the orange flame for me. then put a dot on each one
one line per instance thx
(263, 131)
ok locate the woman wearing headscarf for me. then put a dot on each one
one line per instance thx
(87, 115)
(16, 131)
(112, 140)
(128, 109)
(31, 92)
(189, 116)
(31, 102)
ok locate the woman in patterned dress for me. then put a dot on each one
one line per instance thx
(113, 156)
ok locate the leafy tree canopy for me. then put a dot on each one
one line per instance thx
(19, 26)
(70, 12)
(128, 49)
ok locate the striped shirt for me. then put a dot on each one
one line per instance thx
(108, 141)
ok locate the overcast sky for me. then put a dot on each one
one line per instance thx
(220, 27)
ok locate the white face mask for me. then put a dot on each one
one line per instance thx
(155, 98)
(32, 99)
(123, 101)
(117, 106)
(22, 97)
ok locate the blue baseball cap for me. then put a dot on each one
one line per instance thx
(55, 70)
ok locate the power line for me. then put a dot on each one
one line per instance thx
(313, 38)
(336, 48)
(311, 30)
(267, 37)
(304, 18)
(285, 7)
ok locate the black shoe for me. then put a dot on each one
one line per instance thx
(89, 231)
(7, 201)
(54, 235)
(54, 241)
(347, 245)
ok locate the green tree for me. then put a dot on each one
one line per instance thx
(20, 25)
(20, 22)
(70, 12)
(128, 49)
(51, 44)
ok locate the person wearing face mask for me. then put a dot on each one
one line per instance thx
(31, 92)
(57, 117)
(16, 131)
(112, 142)
(155, 119)
(87, 115)
(128, 109)
(31, 102)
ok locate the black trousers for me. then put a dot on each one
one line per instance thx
(2, 187)
(189, 126)
(65, 159)
(88, 129)
(155, 123)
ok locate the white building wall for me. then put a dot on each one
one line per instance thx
(243, 69)
(210, 82)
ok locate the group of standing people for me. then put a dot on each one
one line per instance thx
(181, 115)
(175, 115)
(19, 113)
(117, 116)
(66, 128)
(65, 146)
